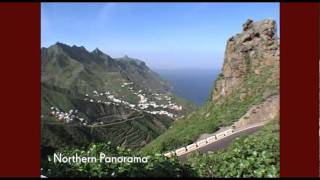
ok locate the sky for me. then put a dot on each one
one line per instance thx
(164, 35)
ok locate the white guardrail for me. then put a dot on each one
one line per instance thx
(211, 139)
(199, 144)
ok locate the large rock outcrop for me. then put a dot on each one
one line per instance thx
(250, 51)
(245, 93)
(264, 112)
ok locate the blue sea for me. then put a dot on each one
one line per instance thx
(192, 84)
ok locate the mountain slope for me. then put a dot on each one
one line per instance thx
(253, 156)
(250, 75)
(90, 97)
(70, 67)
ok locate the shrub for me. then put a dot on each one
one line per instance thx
(250, 156)
(157, 165)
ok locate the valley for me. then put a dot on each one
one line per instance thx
(249, 77)
(90, 97)
(91, 101)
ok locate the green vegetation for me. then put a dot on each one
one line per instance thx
(249, 156)
(157, 165)
(69, 73)
(134, 134)
(222, 112)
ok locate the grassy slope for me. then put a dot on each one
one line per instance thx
(249, 156)
(238, 160)
(214, 115)
(56, 134)
(67, 76)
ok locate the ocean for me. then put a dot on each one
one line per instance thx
(192, 84)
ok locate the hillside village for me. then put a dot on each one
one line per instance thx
(144, 104)
(67, 117)
(91, 97)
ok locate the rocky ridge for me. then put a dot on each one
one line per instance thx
(246, 91)
(248, 52)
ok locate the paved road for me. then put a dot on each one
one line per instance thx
(223, 143)
(99, 125)
(114, 123)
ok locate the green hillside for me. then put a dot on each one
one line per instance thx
(252, 156)
(250, 75)
(249, 156)
(245, 93)
(99, 98)
(213, 115)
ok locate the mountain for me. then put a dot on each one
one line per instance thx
(245, 92)
(91, 97)
(70, 67)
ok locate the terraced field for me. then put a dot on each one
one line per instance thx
(117, 124)
(90, 97)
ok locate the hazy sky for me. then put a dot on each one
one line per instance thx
(164, 35)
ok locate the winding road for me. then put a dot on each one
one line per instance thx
(224, 142)
(123, 118)
(114, 123)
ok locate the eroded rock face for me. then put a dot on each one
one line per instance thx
(247, 52)
(268, 110)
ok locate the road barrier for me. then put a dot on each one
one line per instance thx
(201, 143)
(191, 147)
(220, 135)
(181, 151)
(211, 139)
(169, 154)
(228, 132)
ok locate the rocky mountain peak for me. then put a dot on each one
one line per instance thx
(97, 51)
(58, 45)
(126, 58)
(256, 47)
(67, 48)
(247, 25)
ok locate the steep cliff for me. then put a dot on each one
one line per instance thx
(249, 52)
(246, 91)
